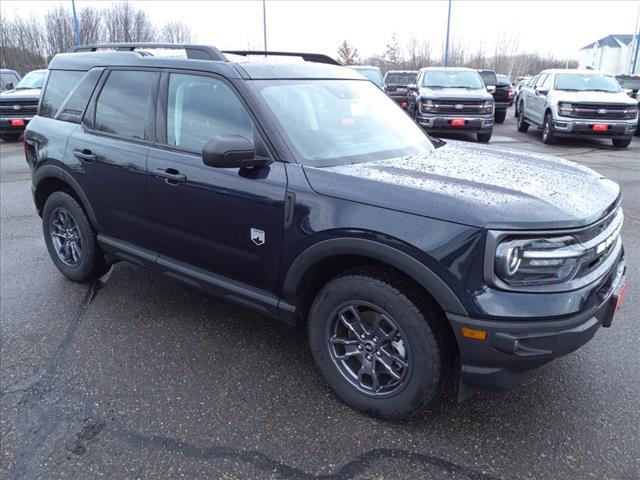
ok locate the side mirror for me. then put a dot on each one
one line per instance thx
(8, 85)
(231, 151)
(412, 88)
(542, 91)
(491, 88)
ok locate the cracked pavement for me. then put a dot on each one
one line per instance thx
(138, 376)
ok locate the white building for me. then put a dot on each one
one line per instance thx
(612, 54)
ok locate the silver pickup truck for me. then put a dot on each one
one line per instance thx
(567, 103)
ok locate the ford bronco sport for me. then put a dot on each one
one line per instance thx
(301, 190)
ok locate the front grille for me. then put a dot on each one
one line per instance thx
(18, 107)
(601, 111)
(601, 240)
(461, 107)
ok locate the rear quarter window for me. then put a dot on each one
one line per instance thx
(58, 86)
(73, 107)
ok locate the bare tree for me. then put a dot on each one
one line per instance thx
(418, 54)
(90, 25)
(392, 53)
(125, 23)
(348, 54)
(176, 32)
(58, 30)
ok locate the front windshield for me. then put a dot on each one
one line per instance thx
(452, 79)
(583, 82)
(631, 83)
(404, 78)
(372, 74)
(32, 80)
(337, 122)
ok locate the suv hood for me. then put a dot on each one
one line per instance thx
(454, 93)
(476, 185)
(593, 97)
(21, 94)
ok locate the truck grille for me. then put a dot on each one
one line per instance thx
(458, 107)
(601, 111)
(18, 108)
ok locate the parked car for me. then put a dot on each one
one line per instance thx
(372, 73)
(396, 84)
(569, 103)
(8, 79)
(19, 105)
(631, 85)
(500, 93)
(301, 191)
(504, 82)
(523, 82)
(452, 99)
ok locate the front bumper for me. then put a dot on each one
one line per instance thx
(14, 124)
(569, 127)
(442, 122)
(513, 347)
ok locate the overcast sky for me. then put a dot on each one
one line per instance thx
(549, 27)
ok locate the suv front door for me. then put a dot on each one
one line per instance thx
(225, 221)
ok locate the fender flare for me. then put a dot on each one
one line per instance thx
(325, 249)
(53, 171)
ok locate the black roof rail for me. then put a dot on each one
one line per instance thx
(194, 52)
(307, 57)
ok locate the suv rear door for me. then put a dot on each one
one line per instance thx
(226, 221)
(536, 101)
(110, 151)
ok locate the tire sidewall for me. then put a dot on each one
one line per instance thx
(424, 376)
(87, 266)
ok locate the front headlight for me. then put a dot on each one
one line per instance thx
(427, 105)
(631, 112)
(538, 261)
(487, 106)
(565, 108)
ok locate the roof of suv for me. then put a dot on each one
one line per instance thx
(89, 57)
(461, 69)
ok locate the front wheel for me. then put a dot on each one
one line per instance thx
(547, 133)
(378, 343)
(70, 239)
(621, 142)
(521, 123)
(500, 115)
(484, 137)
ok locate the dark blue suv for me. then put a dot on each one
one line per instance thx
(301, 190)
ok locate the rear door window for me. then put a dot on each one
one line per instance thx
(125, 103)
(59, 85)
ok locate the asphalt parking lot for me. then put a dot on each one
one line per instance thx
(138, 376)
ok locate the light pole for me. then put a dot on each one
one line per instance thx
(636, 43)
(446, 46)
(264, 23)
(75, 22)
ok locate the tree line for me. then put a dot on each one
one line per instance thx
(505, 57)
(28, 43)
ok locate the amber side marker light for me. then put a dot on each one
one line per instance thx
(474, 333)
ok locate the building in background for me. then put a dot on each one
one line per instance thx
(612, 54)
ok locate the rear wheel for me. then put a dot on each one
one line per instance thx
(521, 123)
(621, 142)
(10, 137)
(547, 133)
(70, 239)
(500, 115)
(378, 343)
(484, 137)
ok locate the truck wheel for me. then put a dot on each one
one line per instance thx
(10, 137)
(521, 123)
(621, 142)
(484, 137)
(547, 133)
(500, 115)
(70, 239)
(378, 343)
(515, 110)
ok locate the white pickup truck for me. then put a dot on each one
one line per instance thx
(568, 103)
